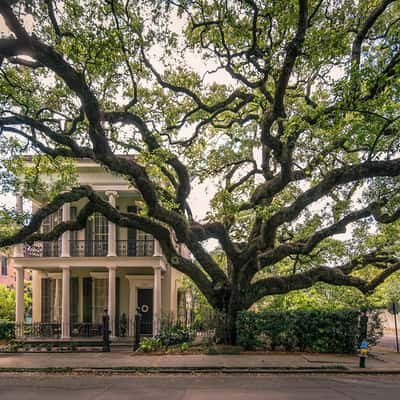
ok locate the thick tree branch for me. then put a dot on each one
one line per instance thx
(284, 284)
(363, 31)
(335, 178)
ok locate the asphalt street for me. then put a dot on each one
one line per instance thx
(218, 387)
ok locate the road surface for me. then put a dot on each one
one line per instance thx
(199, 387)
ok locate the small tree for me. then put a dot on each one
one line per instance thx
(290, 109)
(7, 302)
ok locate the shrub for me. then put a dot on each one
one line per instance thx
(149, 344)
(312, 330)
(7, 330)
(175, 334)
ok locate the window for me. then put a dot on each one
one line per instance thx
(144, 244)
(4, 263)
(51, 300)
(100, 299)
(100, 227)
(51, 249)
(96, 236)
(55, 305)
(51, 221)
(73, 214)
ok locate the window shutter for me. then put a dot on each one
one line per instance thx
(87, 300)
(4, 262)
(131, 245)
(45, 309)
(89, 238)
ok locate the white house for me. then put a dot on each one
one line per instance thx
(103, 265)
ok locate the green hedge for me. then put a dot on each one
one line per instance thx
(7, 330)
(314, 330)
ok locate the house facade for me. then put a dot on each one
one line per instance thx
(7, 271)
(102, 266)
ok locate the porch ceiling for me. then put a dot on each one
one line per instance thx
(51, 263)
(87, 270)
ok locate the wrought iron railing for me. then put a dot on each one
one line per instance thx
(86, 329)
(138, 248)
(38, 330)
(146, 328)
(91, 248)
(42, 249)
(88, 248)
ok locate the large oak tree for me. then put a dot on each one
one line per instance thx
(289, 108)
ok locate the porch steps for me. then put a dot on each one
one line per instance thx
(121, 344)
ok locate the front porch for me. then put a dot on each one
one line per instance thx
(68, 302)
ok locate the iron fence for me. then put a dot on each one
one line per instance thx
(88, 248)
(42, 249)
(38, 330)
(138, 248)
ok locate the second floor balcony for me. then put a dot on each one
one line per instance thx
(92, 248)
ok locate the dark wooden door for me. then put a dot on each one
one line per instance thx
(145, 303)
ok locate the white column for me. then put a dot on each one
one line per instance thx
(157, 248)
(66, 235)
(112, 231)
(111, 298)
(19, 301)
(57, 300)
(19, 248)
(65, 312)
(157, 300)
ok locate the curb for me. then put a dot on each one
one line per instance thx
(198, 370)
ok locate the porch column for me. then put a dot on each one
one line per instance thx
(112, 231)
(19, 248)
(19, 301)
(157, 301)
(111, 297)
(157, 248)
(66, 235)
(57, 300)
(65, 312)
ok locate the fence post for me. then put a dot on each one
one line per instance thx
(106, 331)
(138, 323)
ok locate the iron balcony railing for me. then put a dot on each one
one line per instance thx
(138, 248)
(88, 248)
(92, 248)
(42, 249)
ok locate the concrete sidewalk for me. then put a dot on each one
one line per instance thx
(378, 362)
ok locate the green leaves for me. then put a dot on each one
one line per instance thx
(42, 177)
(311, 330)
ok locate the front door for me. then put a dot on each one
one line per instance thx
(145, 303)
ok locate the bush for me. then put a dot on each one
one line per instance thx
(311, 330)
(7, 330)
(149, 344)
(175, 334)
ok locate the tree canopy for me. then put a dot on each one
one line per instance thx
(289, 108)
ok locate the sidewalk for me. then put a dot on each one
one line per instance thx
(114, 362)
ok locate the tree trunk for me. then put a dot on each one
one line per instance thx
(227, 322)
(230, 327)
